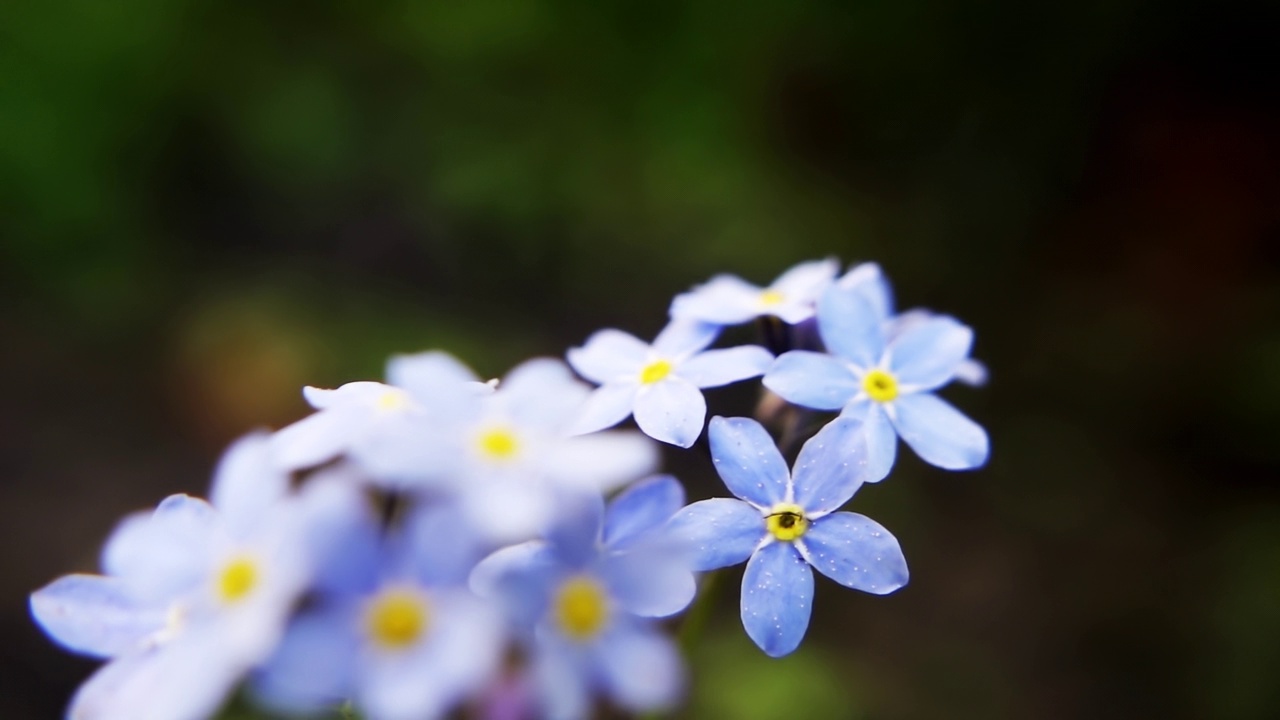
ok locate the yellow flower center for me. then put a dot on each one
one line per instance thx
(499, 444)
(880, 385)
(237, 579)
(769, 298)
(581, 608)
(787, 521)
(393, 399)
(655, 371)
(396, 618)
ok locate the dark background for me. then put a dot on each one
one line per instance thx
(205, 205)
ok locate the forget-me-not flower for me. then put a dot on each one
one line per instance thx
(661, 384)
(585, 596)
(887, 382)
(392, 626)
(783, 524)
(194, 595)
(729, 300)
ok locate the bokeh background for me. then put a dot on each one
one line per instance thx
(206, 205)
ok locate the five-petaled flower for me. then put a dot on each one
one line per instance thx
(784, 524)
(885, 381)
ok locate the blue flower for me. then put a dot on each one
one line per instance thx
(885, 381)
(583, 598)
(660, 383)
(194, 595)
(729, 300)
(392, 626)
(782, 525)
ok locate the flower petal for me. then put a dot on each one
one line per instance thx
(650, 581)
(718, 532)
(831, 466)
(246, 485)
(748, 461)
(869, 281)
(605, 407)
(777, 598)
(927, 354)
(856, 552)
(642, 670)
(314, 439)
(850, 327)
(941, 435)
(724, 300)
(601, 461)
(542, 393)
(563, 679)
(165, 552)
(714, 368)
(95, 615)
(642, 508)
(314, 665)
(424, 373)
(812, 380)
(882, 442)
(800, 288)
(608, 356)
(972, 372)
(682, 338)
(672, 411)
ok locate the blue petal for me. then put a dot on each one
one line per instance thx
(642, 670)
(831, 466)
(315, 664)
(605, 407)
(856, 552)
(813, 380)
(972, 372)
(315, 439)
(869, 281)
(600, 461)
(563, 675)
(777, 598)
(542, 393)
(940, 434)
(850, 327)
(714, 368)
(246, 485)
(748, 461)
(95, 615)
(882, 439)
(609, 356)
(717, 533)
(166, 552)
(927, 354)
(435, 549)
(682, 338)
(724, 300)
(650, 581)
(671, 411)
(642, 508)
(424, 373)
(576, 534)
(519, 577)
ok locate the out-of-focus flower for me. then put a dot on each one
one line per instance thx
(392, 626)
(661, 383)
(781, 525)
(583, 598)
(729, 300)
(885, 381)
(194, 595)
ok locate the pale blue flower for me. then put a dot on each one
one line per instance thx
(193, 595)
(782, 525)
(392, 626)
(661, 384)
(885, 381)
(729, 300)
(584, 596)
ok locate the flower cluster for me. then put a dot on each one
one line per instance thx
(437, 541)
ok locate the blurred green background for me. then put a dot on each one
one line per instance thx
(206, 205)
